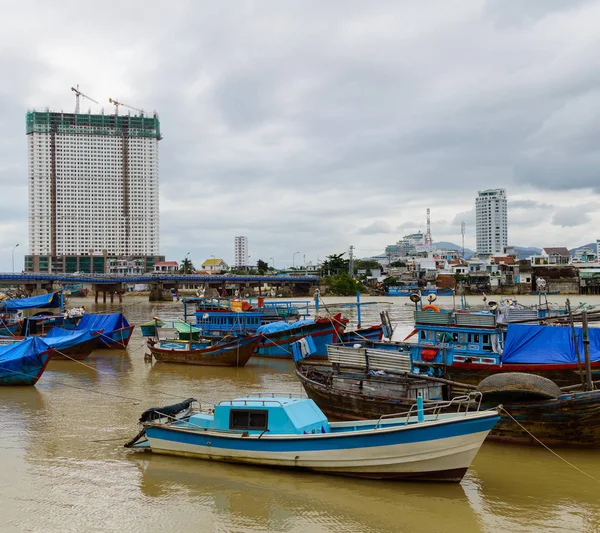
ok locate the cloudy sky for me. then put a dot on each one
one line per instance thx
(311, 126)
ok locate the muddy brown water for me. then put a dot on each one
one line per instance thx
(63, 467)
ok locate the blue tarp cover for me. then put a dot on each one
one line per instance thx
(274, 327)
(44, 301)
(21, 363)
(547, 344)
(107, 323)
(62, 338)
(18, 350)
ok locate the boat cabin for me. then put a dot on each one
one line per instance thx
(261, 413)
(448, 337)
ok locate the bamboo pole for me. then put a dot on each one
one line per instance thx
(576, 344)
(586, 352)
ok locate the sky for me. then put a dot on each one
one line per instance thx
(311, 126)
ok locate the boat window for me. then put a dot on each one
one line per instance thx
(248, 419)
(476, 338)
(462, 337)
(486, 339)
(423, 335)
(469, 337)
(455, 337)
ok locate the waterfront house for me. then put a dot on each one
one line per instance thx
(166, 267)
(556, 256)
(214, 265)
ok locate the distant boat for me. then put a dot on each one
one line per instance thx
(408, 290)
(235, 352)
(23, 363)
(277, 337)
(68, 344)
(116, 331)
(285, 431)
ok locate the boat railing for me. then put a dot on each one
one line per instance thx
(276, 395)
(244, 402)
(468, 400)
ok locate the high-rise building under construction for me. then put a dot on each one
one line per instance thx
(93, 189)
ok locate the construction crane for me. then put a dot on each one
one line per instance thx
(117, 104)
(78, 93)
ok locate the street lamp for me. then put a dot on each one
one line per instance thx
(272, 261)
(293, 259)
(13, 257)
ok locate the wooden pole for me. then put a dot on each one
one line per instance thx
(568, 304)
(586, 351)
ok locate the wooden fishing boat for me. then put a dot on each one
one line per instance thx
(467, 347)
(277, 337)
(234, 352)
(285, 431)
(538, 408)
(361, 383)
(23, 363)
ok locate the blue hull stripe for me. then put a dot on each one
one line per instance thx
(324, 442)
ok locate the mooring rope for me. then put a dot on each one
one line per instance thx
(547, 448)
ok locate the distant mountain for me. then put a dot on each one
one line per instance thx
(451, 246)
(522, 252)
(591, 245)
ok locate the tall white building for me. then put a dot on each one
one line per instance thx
(240, 251)
(93, 185)
(491, 224)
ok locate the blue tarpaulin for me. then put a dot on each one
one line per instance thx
(62, 339)
(21, 363)
(274, 327)
(107, 323)
(44, 301)
(547, 344)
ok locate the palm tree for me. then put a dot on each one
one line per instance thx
(186, 267)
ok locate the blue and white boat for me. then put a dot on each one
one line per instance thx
(281, 430)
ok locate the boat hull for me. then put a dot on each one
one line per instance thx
(571, 420)
(432, 451)
(77, 352)
(9, 329)
(373, 333)
(562, 374)
(28, 373)
(117, 339)
(236, 353)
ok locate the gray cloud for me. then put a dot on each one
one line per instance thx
(574, 215)
(299, 124)
(379, 226)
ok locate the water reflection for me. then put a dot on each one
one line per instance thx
(252, 498)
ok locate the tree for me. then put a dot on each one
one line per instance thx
(334, 264)
(398, 264)
(343, 284)
(186, 266)
(390, 282)
(262, 266)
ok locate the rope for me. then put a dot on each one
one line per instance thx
(547, 448)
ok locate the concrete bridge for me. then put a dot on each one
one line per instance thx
(160, 284)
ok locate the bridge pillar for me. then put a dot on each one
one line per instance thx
(158, 293)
